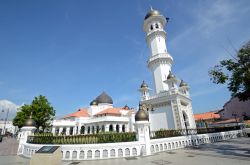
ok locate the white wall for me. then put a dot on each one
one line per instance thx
(161, 118)
(127, 149)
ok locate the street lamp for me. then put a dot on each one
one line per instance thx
(5, 121)
(185, 122)
(235, 115)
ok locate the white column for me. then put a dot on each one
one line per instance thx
(120, 127)
(86, 129)
(67, 130)
(74, 130)
(53, 130)
(60, 130)
(126, 127)
(106, 127)
(79, 130)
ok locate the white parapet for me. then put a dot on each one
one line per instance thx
(131, 149)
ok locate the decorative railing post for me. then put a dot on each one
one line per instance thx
(142, 130)
(27, 130)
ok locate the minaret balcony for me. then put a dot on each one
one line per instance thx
(161, 57)
(166, 94)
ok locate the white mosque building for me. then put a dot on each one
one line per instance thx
(100, 116)
(169, 107)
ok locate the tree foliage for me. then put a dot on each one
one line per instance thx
(42, 113)
(235, 73)
(22, 115)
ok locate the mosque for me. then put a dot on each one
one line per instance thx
(169, 105)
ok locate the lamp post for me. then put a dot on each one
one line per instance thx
(5, 121)
(235, 115)
(185, 122)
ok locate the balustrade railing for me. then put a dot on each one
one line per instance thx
(184, 132)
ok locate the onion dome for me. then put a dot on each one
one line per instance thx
(182, 84)
(141, 114)
(104, 98)
(170, 75)
(126, 107)
(30, 122)
(93, 102)
(152, 12)
(144, 85)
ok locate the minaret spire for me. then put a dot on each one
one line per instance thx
(151, 8)
(160, 61)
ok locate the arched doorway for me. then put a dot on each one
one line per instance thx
(123, 128)
(186, 122)
(111, 128)
(117, 128)
(82, 131)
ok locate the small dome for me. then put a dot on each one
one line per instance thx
(126, 107)
(152, 12)
(30, 122)
(144, 85)
(93, 102)
(104, 98)
(170, 75)
(182, 84)
(141, 114)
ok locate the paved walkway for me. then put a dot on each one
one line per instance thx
(8, 147)
(231, 152)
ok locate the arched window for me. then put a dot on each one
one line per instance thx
(82, 130)
(111, 128)
(156, 26)
(97, 129)
(103, 128)
(123, 128)
(117, 128)
(88, 129)
(151, 27)
(71, 130)
(185, 117)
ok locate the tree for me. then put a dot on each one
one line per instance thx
(22, 115)
(42, 113)
(236, 73)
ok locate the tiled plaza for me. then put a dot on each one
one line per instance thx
(231, 152)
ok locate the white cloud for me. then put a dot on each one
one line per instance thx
(6, 105)
(211, 17)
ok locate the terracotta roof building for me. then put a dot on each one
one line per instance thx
(100, 116)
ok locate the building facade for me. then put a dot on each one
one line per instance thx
(170, 105)
(100, 116)
(235, 109)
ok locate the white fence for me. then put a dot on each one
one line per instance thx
(128, 149)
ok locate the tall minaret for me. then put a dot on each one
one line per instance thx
(160, 60)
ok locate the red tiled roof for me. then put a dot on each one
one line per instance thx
(232, 120)
(206, 116)
(78, 113)
(113, 111)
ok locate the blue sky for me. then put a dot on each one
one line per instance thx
(71, 51)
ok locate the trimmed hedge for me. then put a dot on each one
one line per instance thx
(82, 139)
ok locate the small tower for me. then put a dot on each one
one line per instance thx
(144, 91)
(27, 130)
(184, 88)
(160, 61)
(142, 129)
(171, 81)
